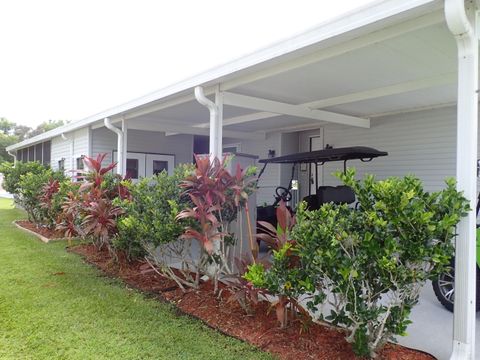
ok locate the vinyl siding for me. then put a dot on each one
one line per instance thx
(105, 141)
(421, 143)
(61, 149)
(272, 176)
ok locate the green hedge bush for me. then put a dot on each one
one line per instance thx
(149, 219)
(370, 263)
(12, 173)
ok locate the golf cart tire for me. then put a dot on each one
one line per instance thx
(445, 302)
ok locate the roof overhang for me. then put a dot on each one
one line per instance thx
(255, 78)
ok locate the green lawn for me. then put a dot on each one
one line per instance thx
(84, 315)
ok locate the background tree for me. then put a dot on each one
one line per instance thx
(6, 126)
(46, 126)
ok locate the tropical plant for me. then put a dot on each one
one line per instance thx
(216, 196)
(30, 191)
(90, 211)
(279, 278)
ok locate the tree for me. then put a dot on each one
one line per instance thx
(46, 126)
(6, 140)
(22, 132)
(6, 126)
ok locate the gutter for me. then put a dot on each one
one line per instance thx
(14, 158)
(110, 126)
(461, 17)
(215, 145)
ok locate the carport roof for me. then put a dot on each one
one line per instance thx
(389, 56)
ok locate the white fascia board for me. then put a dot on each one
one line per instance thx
(254, 103)
(350, 22)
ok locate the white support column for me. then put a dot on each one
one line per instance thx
(216, 116)
(125, 146)
(218, 145)
(461, 20)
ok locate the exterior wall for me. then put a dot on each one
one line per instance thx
(76, 145)
(105, 141)
(420, 143)
(271, 177)
(61, 149)
(156, 142)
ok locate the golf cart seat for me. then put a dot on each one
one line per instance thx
(335, 194)
(330, 194)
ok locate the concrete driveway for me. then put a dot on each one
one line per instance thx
(432, 327)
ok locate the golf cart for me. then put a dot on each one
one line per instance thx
(324, 194)
(444, 286)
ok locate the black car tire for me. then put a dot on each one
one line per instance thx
(444, 288)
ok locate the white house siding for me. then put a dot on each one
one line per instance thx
(271, 177)
(105, 141)
(156, 142)
(61, 149)
(420, 143)
(81, 142)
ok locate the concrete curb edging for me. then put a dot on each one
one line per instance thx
(41, 237)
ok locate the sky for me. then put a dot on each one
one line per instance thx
(70, 59)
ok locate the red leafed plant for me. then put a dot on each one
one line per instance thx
(279, 238)
(217, 196)
(90, 212)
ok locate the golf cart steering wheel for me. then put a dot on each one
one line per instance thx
(283, 194)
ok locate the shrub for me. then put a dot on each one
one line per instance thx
(51, 199)
(371, 263)
(29, 192)
(149, 220)
(12, 173)
(217, 197)
(90, 211)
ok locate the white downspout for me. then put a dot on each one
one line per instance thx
(110, 126)
(462, 22)
(215, 121)
(14, 158)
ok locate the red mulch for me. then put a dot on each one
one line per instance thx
(39, 229)
(261, 330)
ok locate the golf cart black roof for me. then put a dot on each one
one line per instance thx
(322, 156)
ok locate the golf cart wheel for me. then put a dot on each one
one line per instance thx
(444, 288)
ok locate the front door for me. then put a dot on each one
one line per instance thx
(158, 163)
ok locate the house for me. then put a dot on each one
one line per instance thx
(397, 75)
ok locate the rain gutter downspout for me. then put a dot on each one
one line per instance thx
(461, 17)
(14, 158)
(215, 145)
(110, 126)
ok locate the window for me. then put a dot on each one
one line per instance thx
(25, 155)
(232, 148)
(80, 166)
(31, 153)
(61, 164)
(39, 153)
(132, 169)
(46, 153)
(159, 166)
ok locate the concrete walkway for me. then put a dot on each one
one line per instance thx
(432, 327)
(3, 193)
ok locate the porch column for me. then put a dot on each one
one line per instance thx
(216, 120)
(462, 21)
(124, 147)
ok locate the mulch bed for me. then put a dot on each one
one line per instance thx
(41, 230)
(260, 330)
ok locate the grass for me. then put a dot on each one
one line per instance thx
(54, 306)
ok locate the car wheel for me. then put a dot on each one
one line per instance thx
(444, 288)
